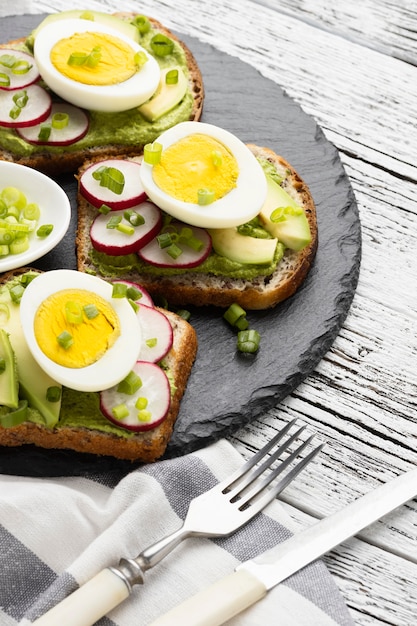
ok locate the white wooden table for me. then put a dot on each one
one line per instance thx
(352, 66)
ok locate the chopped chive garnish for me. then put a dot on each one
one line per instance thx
(21, 98)
(119, 290)
(216, 158)
(21, 67)
(89, 60)
(130, 384)
(141, 403)
(236, 316)
(142, 24)
(32, 211)
(104, 209)
(4, 80)
(152, 153)
(45, 230)
(73, 312)
(114, 221)
(205, 196)
(140, 59)
(152, 342)
(171, 77)
(60, 120)
(53, 393)
(133, 293)
(134, 218)
(16, 293)
(174, 251)
(133, 304)
(65, 339)
(91, 311)
(164, 240)
(111, 178)
(144, 416)
(126, 229)
(161, 45)
(184, 314)
(248, 341)
(19, 245)
(120, 411)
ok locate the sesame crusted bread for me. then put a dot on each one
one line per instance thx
(193, 288)
(68, 158)
(146, 446)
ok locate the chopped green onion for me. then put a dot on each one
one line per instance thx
(12, 196)
(140, 59)
(104, 209)
(16, 293)
(32, 211)
(110, 177)
(174, 251)
(21, 67)
(205, 196)
(91, 311)
(45, 230)
(8, 60)
(144, 416)
(53, 393)
(21, 98)
(161, 45)
(152, 342)
(44, 132)
(15, 112)
(89, 60)
(134, 218)
(77, 58)
(4, 249)
(126, 229)
(184, 314)
(141, 403)
(60, 120)
(120, 411)
(130, 384)
(2, 365)
(65, 339)
(171, 77)
(133, 304)
(4, 80)
(248, 341)
(27, 278)
(94, 57)
(216, 158)
(114, 221)
(73, 312)
(16, 416)
(119, 290)
(236, 316)
(164, 240)
(142, 24)
(87, 15)
(133, 293)
(152, 153)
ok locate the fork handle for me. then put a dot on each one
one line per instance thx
(89, 603)
(218, 603)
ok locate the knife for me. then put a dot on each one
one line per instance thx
(252, 579)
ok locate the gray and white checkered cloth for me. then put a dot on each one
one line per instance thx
(56, 533)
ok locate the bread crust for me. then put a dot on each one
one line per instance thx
(144, 447)
(205, 290)
(71, 160)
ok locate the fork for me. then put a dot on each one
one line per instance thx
(217, 512)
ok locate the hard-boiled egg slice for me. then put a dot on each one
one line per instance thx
(206, 177)
(94, 66)
(50, 311)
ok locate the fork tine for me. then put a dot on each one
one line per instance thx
(273, 492)
(250, 476)
(258, 456)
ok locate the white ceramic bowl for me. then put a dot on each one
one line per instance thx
(54, 206)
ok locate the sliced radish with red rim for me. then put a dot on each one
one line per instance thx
(114, 241)
(24, 107)
(144, 409)
(157, 334)
(189, 257)
(74, 130)
(18, 69)
(144, 298)
(133, 192)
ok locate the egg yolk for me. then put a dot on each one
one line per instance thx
(90, 336)
(116, 59)
(193, 163)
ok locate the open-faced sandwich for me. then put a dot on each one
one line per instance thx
(89, 366)
(86, 83)
(200, 219)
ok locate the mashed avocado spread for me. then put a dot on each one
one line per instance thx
(126, 128)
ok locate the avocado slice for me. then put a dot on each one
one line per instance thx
(228, 242)
(293, 229)
(166, 96)
(123, 26)
(33, 381)
(9, 383)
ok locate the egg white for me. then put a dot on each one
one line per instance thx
(117, 361)
(108, 98)
(238, 206)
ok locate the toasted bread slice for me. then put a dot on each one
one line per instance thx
(69, 158)
(145, 446)
(193, 288)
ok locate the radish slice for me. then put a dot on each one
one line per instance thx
(145, 297)
(115, 242)
(21, 70)
(157, 335)
(155, 255)
(133, 192)
(36, 109)
(154, 394)
(76, 128)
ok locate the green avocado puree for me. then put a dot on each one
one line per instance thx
(126, 128)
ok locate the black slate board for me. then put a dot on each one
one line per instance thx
(227, 390)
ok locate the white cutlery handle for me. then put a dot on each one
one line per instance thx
(216, 604)
(90, 602)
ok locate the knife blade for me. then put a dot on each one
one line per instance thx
(252, 579)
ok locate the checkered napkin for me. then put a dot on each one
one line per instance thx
(56, 533)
